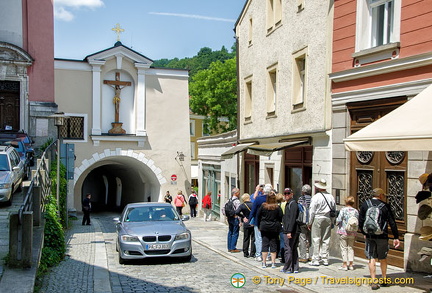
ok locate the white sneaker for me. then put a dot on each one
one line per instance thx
(325, 263)
(258, 258)
(314, 263)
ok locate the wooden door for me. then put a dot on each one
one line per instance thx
(9, 104)
(386, 170)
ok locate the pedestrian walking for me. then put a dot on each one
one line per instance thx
(376, 235)
(207, 206)
(179, 202)
(269, 218)
(193, 203)
(243, 212)
(86, 208)
(168, 197)
(233, 221)
(305, 233)
(322, 212)
(260, 198)
(347, 223)
(291, 233)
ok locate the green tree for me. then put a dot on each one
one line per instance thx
(213, 93)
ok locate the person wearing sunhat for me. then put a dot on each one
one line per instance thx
(377, 245)
(320, 223)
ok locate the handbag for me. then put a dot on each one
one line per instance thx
(332, 211)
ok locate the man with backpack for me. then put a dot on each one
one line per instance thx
(229, 210)
(375, 216)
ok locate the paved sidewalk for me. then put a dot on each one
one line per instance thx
(323, 278)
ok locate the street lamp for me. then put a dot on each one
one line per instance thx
(59, 121)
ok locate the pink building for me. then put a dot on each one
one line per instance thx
(27, 65)
(381, 58)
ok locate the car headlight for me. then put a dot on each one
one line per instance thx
(182, 236)
(129, 238)
(5, 185)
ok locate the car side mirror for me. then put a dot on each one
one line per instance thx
(185, 218)
(117, 220)
(15, 169)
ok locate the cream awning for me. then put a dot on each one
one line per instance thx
(235, 150)
(268, 149)
(407, 128)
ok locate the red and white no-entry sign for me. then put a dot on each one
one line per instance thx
(173, 177)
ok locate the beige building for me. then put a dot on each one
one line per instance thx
(284, 57)
(130, 127)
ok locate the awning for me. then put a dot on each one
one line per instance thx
(407, 128)
(268, 149)
(235, 150)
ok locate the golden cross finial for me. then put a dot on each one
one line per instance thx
(118, 30)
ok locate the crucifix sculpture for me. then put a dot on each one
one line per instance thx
(117, 85)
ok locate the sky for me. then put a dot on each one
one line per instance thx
(155, 28)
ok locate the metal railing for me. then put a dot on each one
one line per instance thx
(40, 178)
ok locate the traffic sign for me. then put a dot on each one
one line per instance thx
(173, 177)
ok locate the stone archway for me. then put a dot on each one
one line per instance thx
(138, 177)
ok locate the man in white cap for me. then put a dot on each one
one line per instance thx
(320, 223)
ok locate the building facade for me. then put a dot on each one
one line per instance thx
(27, 67)
(216, 174)
(381, 59)
(284, 120)
(129, 123)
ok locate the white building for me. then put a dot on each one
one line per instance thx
(284, 57)
(134, 155)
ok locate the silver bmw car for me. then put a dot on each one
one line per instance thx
(147, 230)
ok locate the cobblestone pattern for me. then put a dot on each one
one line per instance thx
(75, 273)
(207, 272)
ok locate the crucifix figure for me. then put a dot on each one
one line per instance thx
(117, 85)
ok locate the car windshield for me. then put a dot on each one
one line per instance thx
(147, 214)
(4, 163)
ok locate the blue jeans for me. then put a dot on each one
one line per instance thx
(233, 232)
(258, 241)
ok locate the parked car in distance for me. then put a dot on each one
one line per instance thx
(26, 139)
(148, 230)
(22, 152)
(11, 173)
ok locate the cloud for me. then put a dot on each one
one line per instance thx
(62, 14)
(79, 3)
(62, 7)
(193, 16)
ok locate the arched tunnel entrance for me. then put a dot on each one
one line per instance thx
(116, 181)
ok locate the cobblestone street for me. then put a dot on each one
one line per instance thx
(207, 272)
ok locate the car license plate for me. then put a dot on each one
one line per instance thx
(157, 246)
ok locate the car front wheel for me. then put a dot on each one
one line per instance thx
(121, 260)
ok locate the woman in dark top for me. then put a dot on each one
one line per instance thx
(243, 212)
(269, 222)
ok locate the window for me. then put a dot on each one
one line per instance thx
(250, 32)
(382, 22)
(248, 100)
(192, 127)
(274, 14)
(73, 128)
(271, 90)
(299, 79)
(378, 23)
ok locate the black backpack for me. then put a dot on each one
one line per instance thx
(229, 208)
(193, 201)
